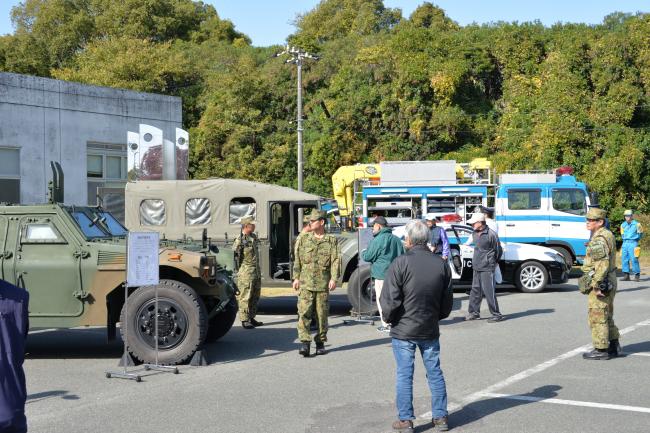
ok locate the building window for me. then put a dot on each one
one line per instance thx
(524, 199)
(106, 168)
(9, 175)
(241, 207)
(197, 212)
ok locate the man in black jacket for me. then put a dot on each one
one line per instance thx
(417, 294)
(487, 252)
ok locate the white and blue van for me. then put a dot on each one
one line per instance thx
(544, 209)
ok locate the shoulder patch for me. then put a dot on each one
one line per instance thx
(598, 249)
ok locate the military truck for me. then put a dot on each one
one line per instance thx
(182, 209)
(72, 260)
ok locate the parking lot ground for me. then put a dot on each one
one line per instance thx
(525, 374)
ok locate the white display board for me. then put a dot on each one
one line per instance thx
(142, 265)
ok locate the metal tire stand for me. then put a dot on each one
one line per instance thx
(126, 357)
(359, 317)
(156, 366)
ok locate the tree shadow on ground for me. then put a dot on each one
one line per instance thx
(288, 304)
(72, 343)
(38, 396)
(362, 344)
(480, 409)
(240, 344)
(512, 316)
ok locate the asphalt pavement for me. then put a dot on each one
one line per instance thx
(525, 374)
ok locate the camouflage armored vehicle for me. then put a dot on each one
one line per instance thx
(182, 209)
(71, 259)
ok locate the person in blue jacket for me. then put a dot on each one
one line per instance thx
(13, 332)
(438, 241)
(381, 252)
(631, 232)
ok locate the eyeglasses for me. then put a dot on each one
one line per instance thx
(590, 220)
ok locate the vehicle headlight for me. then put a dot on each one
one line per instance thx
(556, 256)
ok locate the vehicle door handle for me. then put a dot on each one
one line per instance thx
(510, 225)
(7, 254)
(555, 225)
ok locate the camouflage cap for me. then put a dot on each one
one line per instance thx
(305, 219)
(628, 212)
(317, 215)
(595, 213)
(247, 220)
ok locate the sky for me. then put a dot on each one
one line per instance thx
(269, 22)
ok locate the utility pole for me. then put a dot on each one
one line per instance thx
(297, 58)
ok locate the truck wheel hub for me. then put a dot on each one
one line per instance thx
(172, 323)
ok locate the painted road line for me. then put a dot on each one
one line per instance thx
(567, 402)
(529, 372)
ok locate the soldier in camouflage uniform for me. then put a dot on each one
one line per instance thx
(315, 270)
(247, 256)
(599, 283)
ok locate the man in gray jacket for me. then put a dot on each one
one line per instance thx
(487, 251)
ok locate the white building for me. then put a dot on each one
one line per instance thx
(82, 127)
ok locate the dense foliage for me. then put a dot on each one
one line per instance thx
(387, 87)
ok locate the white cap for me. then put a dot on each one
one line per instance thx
(476, 217)
(430, 216)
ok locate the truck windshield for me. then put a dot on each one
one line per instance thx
(572, 201)
(90, 230)
(96, 223)
(112, 224)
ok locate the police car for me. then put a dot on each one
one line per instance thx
(531, 268)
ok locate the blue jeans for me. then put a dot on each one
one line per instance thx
(627, 256)
(404, 351)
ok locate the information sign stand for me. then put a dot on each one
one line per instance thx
(142, 269)
(363, 239)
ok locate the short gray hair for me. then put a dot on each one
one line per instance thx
(417, 232)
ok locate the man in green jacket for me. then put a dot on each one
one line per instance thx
(381, 252)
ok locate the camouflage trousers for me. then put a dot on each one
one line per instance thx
(249, 296)
(601, 319)
(312, 304)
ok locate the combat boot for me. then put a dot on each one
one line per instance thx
(320, 348)
(614, 348)
(304, 349)
(626, 277)
(405, 426)
(597, 355)
(246, 324)
(256, 323)
(637, 277)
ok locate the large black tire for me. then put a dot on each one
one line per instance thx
(219, 325)
(362, 301)
(531, 277)
(182, 323)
